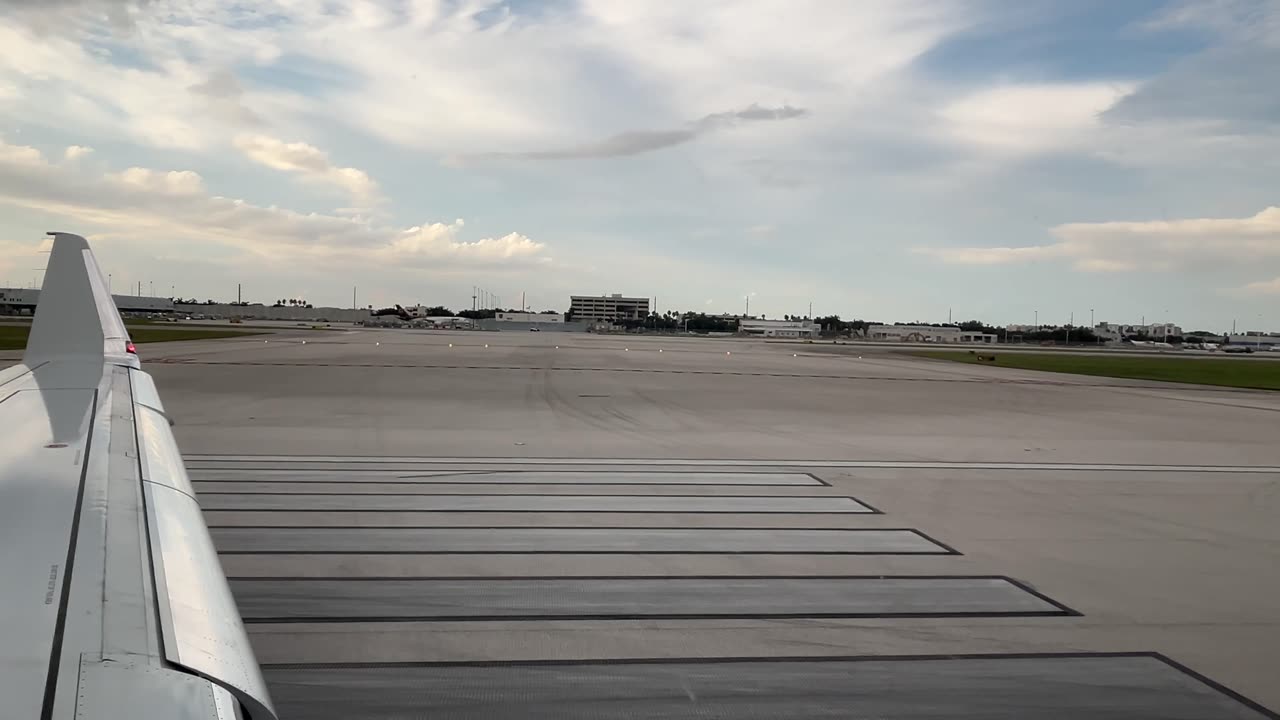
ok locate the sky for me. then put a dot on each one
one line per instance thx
(906, 160)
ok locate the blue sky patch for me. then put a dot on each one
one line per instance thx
(1075, 41)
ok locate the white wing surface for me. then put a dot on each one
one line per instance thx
(112, 601)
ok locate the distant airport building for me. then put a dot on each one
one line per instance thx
(1264, 341)
(1119, 331)
(1164, 330)
(18, 301)
(528, 317)
(927, 334)
(778, 328)
(1113, 331)
(608, 308)
(258, 311)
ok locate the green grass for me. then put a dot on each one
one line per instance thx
(155, 335)
(14, 337)
(1230, 372)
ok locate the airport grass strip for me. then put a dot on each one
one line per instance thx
(1227, 372)
(15, 337)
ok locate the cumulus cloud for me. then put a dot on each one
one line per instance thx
(161, 206)
(440, 241)
(75, 152)
(20, 154)
(307, 160)
(173, 182)
(1145, 245)
(642, 141)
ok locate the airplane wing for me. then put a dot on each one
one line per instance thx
(112, 601)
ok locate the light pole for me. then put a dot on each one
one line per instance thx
(1037, 320)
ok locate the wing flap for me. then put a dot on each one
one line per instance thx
(119, 690)
(199, 619)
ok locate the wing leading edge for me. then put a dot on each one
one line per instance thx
(113, 603)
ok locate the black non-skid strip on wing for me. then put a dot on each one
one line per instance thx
(1097, 686)
(667, 540)
(400, 599)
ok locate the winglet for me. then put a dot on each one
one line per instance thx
(75, 315)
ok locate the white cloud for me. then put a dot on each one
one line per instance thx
(20, 154)
(1031, 118)
(1146, 245)
(991, 255)
(151, 85)
(166, 207)
(75, 152)
(1264, 287)
(311, 162)
(173, 182)
(810, 52)
(461, 78)
(440, 241)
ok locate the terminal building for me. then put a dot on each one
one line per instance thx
(22, 301)
(927, 334)
(528, 317)
(778, 328)
(1119, 331)
(607, 308)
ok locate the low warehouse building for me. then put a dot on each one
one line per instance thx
(15, 301)
(778, 328)
(528, 317)
(927, 334)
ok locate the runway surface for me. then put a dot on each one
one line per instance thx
(570, 526)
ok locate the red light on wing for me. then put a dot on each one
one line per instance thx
(129, 348)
